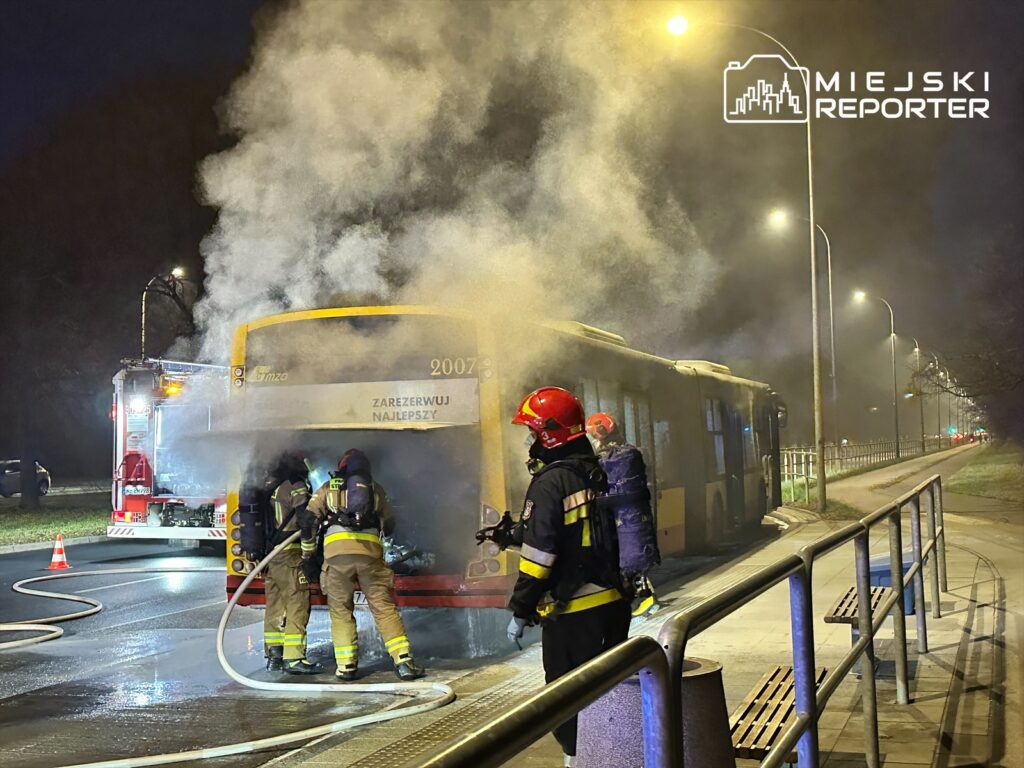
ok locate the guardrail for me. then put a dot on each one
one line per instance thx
(798, 465)
(508, 734)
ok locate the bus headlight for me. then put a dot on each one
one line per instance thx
(236, 549)
(477, 569)
(238, 565)
(236, 518)
(236, 535)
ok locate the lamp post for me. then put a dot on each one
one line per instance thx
(920, 389)
(861, 296)
(166, 285)
(678, 26)
(779, 218)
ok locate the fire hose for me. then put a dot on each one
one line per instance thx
(444, 694)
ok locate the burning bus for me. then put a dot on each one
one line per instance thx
(428, 394)
(165, 485)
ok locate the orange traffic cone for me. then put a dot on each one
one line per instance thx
(59, 561)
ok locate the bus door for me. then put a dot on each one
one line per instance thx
(732, 426)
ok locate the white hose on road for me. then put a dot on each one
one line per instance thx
(445, 695)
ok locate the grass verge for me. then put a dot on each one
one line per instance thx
(997, 472)
(834, 510)
(84, 514)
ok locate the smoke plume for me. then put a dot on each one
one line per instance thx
(489, 157)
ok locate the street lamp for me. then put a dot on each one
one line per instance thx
(778, 218)
(168, 285)
(860, 296)
(920, 389)
(679, 23)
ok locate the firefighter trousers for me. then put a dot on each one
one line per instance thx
(573, 639)
(287, 595)
(341, 577)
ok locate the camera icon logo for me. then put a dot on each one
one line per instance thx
(765, 89)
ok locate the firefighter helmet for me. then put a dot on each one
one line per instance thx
(600, 425)
(554, 414)
(353, 462)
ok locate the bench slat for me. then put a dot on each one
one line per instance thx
(845, 609)
(766, 712)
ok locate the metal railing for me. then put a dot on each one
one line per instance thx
(661, 681)
(510, 733)
(798, 465)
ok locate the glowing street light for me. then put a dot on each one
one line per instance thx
(859, 297)
(678, 25)
(778, 218)
(178, 272)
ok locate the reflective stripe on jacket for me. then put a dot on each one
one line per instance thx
(286, 497)
(340, 540)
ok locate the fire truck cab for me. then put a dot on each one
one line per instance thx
(163, 485)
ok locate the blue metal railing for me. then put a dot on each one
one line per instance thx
(661, 663)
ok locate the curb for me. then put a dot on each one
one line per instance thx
(10, 549)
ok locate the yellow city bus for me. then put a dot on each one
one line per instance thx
(428, 394)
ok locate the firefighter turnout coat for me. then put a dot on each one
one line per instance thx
(558, 566)
(354, 560)
(287, 590)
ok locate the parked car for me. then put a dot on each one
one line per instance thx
(10, 478)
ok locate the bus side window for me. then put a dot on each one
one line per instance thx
(609, 397)
(629, 420)
(588, 387)
(713, 417)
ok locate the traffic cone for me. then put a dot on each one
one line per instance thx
(59, 561)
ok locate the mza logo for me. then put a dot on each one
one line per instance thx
(266, 373)
(765, 89)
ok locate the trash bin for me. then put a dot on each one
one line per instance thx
(610, 731)
(881, 576)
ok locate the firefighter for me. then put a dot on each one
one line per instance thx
(568, 573)
(287, 587)
(356, 512)
(629, 496)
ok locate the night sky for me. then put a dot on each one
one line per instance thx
(110, 106)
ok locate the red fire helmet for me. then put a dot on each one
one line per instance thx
(554, 414)
(600, 425)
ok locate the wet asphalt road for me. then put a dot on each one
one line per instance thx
(141, 677)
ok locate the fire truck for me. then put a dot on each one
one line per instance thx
(168, 482)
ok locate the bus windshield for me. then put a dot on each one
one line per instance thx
(431, 478)
(411, 371)
(402, 388)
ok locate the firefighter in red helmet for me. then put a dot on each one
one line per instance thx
(568, 572)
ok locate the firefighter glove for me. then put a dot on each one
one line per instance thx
(515, 628)
(310, 570)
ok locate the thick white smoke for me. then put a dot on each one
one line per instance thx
(481, 156)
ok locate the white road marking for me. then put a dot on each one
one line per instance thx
(161, 615)
(121, 584)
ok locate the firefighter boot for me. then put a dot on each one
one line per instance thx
(409, 670)
(302, 667)
(346, 673)
(275, 658)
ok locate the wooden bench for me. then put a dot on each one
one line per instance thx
(766, 713)
(845, 609)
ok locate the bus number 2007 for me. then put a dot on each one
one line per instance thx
(447, 366)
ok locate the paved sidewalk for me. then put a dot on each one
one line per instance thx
(965, 708)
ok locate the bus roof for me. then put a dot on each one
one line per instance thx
(580, 330)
